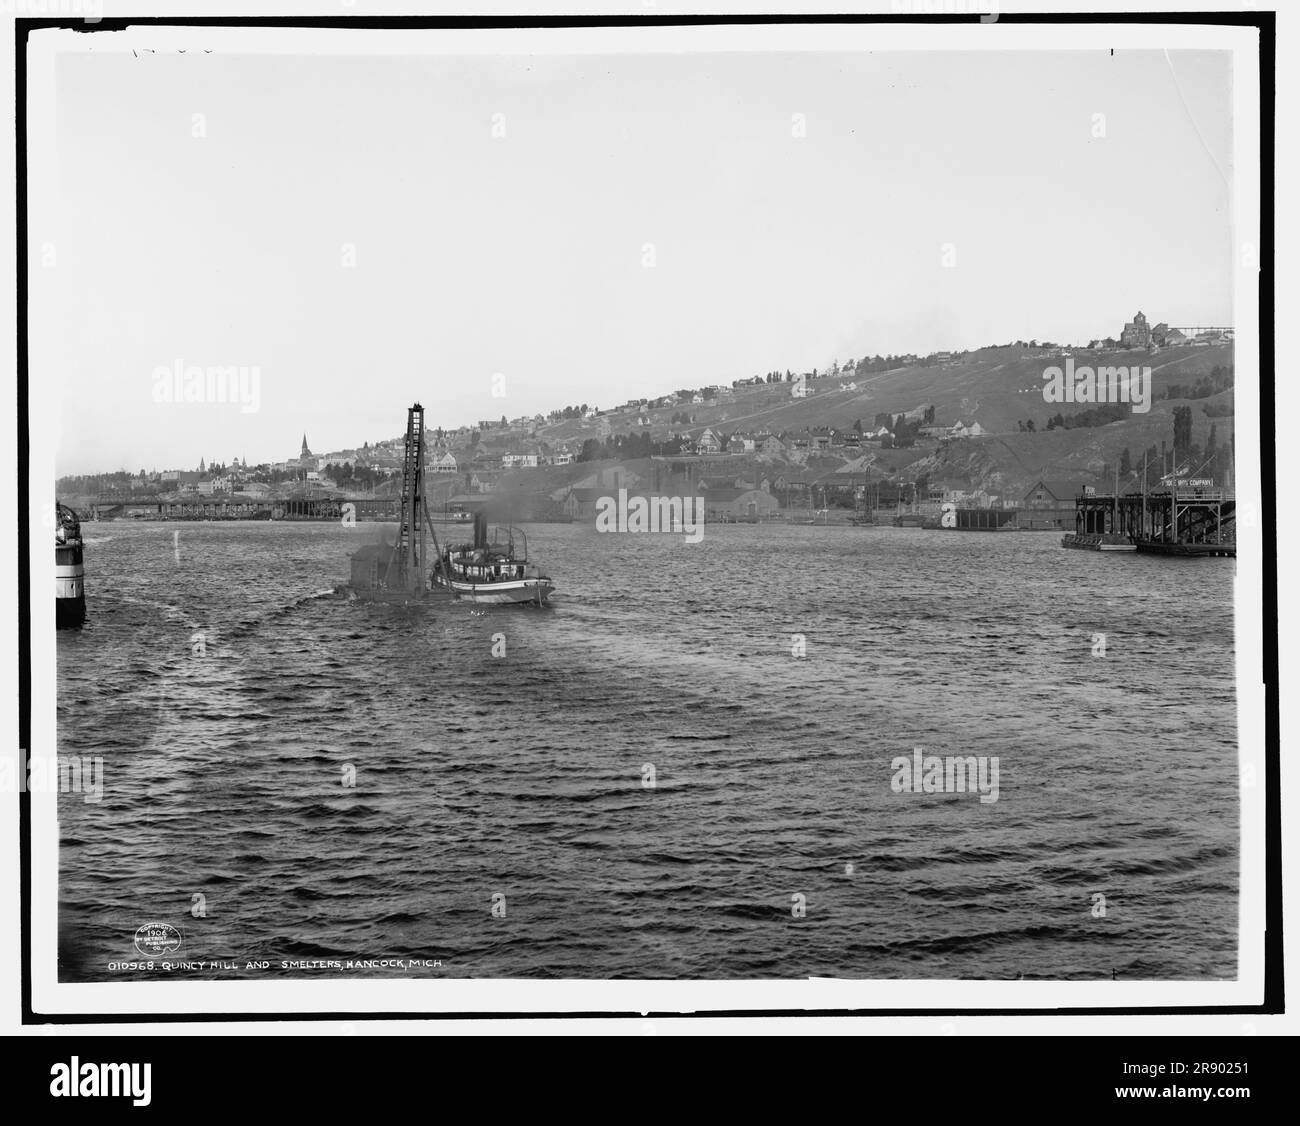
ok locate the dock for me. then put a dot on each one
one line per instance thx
(328, 509)
(1189, 520)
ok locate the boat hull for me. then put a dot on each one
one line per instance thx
(1096, 541)
(69, 586)
(512, 591)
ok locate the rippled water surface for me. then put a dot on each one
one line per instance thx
(524, 776)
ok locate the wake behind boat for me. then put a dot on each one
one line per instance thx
(495, 572)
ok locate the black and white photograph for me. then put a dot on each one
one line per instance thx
(593, 517)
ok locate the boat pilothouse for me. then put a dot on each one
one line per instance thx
(496, 571)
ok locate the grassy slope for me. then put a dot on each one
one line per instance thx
(996, 387)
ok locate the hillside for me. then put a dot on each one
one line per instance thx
(999, 388)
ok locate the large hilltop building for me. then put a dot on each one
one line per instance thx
(1137, 333)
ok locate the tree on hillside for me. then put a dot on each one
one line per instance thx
(1030, 426)
(1182, 433)
(1125, 463)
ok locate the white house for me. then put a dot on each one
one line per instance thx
(519, 461)
(444, 463)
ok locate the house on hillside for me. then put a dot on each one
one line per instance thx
(710, 442)
(519, 461)
(770, 445)
(443, 463)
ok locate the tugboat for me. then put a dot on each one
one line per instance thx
(496, 572)
(69, 574)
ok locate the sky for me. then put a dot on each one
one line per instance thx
(368, 231)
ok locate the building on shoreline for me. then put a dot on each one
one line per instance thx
(1049, 503)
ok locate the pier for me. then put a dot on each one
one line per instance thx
(1186, 519)
(243, 508)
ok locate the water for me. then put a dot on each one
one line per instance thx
(523, 776)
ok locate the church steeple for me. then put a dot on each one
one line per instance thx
(305, 451)
(202, 466)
